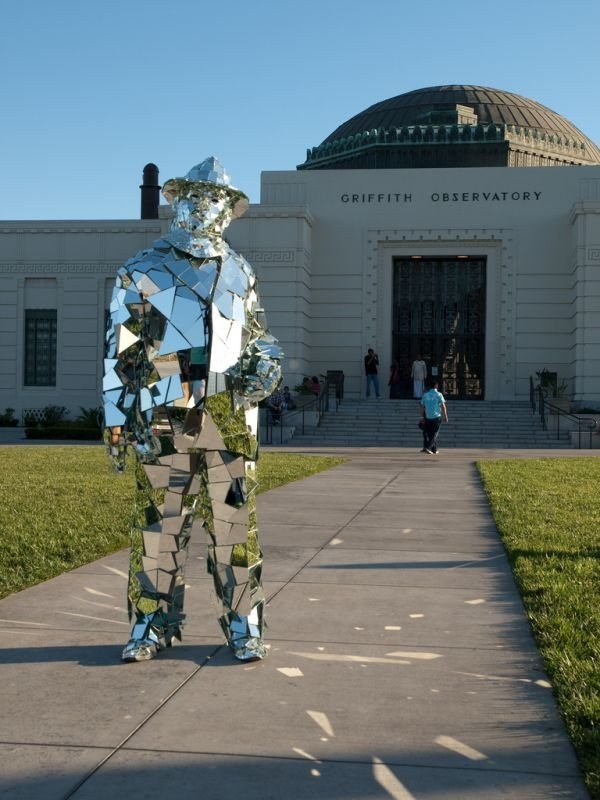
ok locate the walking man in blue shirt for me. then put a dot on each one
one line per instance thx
(433, 409)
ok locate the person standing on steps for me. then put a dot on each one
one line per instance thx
(276, 407)
(395, 380)
(433, 410)
(371, 364)
(288, 400)
(418, 374)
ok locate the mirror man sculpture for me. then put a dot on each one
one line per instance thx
(188, 360)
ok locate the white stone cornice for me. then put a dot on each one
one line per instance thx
(49, 268)
(279, 212)
(80, 226)
(584, 207)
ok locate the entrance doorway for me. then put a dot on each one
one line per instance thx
(439, 314)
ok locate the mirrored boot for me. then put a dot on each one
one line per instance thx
(149, 635)
(244, 636)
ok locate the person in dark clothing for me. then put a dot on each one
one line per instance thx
(371, 364)
(395, 381)
(276, 407)
(288, 400)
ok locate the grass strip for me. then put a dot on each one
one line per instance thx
(548, 514)
(62, 507)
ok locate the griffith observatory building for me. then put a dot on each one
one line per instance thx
(457, 222)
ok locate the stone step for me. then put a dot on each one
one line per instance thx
(302, 441)
(385, 423)
(444, 442)
(412, 422)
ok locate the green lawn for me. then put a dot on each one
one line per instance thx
(548, 514)
(61, 507)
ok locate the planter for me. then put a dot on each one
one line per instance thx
(547, 379)
(563, 403)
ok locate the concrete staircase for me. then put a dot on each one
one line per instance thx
(393, 423)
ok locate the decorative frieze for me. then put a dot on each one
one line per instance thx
(270, 256)
(54, 268)
(139, 227)
(548, 144)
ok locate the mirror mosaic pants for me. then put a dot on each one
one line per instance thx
(204, 485)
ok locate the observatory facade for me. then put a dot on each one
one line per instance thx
(438, 223)
(458, 222)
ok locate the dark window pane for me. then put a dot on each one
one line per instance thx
(40, 347)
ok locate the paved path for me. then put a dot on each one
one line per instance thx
(401, 662)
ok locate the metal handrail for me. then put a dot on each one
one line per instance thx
(542, 406)
(320, 404)
(583, 425)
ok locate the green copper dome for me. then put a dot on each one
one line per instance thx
(454, 126)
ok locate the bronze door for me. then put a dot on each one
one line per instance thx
(439, 313)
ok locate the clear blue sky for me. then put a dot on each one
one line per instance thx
(92, 91)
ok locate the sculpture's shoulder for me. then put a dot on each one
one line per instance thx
(237, 261)
(148, 258)
(236, 276)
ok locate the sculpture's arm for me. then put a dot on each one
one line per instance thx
(258, 372)
(128, 413)
(125, 367)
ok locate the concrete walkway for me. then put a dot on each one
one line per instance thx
(401, 662)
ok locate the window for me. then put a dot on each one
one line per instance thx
(40, 347)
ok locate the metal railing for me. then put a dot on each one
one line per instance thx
(538, 396)
(272, 429)
(532, 394)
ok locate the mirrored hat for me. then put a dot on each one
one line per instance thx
(210, 171)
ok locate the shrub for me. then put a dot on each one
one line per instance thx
(52, 426)
(7, 419)
(54, 414)
(90, 417)
(49, 415)
(64, 430)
